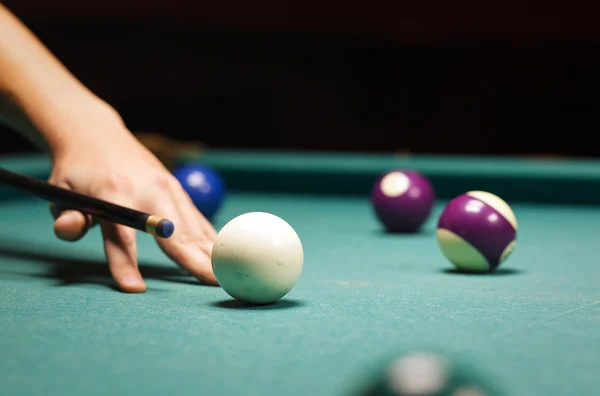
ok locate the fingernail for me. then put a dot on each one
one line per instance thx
(131, 280)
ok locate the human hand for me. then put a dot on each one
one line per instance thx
(93, 153)
(106, 161)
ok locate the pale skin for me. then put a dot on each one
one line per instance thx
(94, 153)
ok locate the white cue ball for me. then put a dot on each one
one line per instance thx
(257, 257)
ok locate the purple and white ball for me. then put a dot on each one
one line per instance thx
(402, 200)
(477, 231)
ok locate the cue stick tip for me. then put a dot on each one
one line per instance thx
(165, 228)
(160, 227)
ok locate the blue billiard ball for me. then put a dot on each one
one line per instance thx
(204, 185)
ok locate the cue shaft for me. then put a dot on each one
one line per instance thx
(101, 209)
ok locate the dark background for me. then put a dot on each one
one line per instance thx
(496, 77)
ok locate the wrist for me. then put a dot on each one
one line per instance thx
(81, 121)
(72, 119)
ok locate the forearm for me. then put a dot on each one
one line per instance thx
(38, 95)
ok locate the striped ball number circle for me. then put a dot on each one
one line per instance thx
(477, 231)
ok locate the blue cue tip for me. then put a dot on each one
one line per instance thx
(165, 228)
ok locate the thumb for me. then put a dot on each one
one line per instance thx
(70, 225)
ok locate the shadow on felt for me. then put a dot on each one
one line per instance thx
(422, 232)
(237, 304)
(498, 272)
(73, 271)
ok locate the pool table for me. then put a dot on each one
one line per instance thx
(364, 297)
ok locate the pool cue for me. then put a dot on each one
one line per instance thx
(168, 150)
(101, 209)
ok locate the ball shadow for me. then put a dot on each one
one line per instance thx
(424, 232)
(237, 304)
(498, 272)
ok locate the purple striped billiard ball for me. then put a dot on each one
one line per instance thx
(477, 231)
(402, 200)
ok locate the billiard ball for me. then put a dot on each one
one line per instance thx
(402, 200)
(427, 373)
(257, 258)
(204, 185)
(477, 231)
(419, 374)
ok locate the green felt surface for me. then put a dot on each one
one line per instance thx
(530, 329)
